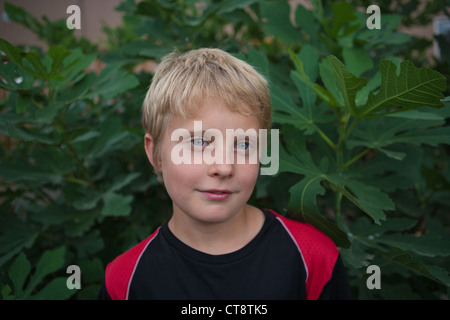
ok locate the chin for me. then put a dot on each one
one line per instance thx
(215, 215)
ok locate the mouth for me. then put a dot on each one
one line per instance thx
(216, 194)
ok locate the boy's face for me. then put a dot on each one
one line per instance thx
(209, 192)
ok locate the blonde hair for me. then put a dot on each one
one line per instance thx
(182, 81)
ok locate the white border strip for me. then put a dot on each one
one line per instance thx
(137, 262)
(296, 244)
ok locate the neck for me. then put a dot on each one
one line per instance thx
(218, 238)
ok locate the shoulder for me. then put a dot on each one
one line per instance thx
(318, 251)
(307, 234)
(120, 271)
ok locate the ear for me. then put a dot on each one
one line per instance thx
(149, 147)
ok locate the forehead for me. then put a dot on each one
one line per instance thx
(214, 113)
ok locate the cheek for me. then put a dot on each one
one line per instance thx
(175, 180)
(178, 179)
(249, 174)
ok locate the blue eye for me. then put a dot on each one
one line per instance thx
(198, 142)
(242, 145)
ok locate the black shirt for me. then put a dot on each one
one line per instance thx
(285, 260)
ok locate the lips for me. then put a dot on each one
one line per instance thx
(216, 194)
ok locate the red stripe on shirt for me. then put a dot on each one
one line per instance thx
(318, 251)
(119, 272)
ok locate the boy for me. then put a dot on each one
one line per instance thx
(215, 245)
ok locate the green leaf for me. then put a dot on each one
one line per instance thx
(112, 138)
(23, 103)
(412, 88)
(6, 293)
(415, 129)
(362, 234)
(90, 244)
(278, 23)
(48, 113)
(304, 194)
(50, 164)
(116, 204)
(303, 200)
(430, 245)
(431, 137)
(288, 112)
(18, 273)
(231, 5)
(343, 14)
(123, 180)
(390, 174)
(357, 60)
(74, 221)
(386, 240)
(112, 81)
(311, 71)
(15, 78)
(14, 54)
(35, 60)
(58, 54)
(85, 200)
(307, 22)
(402, 258)
(320, 91)
(31, 61)
(119, 84)
(259, 61)
(75, 63)
(309, 114)
(56, 289)
(78, 91)
(369, 199)
(355, 255)
(19, 15)
(423, 114)
(348, 83)
(11, 243)
(31, 135)
(50, 261)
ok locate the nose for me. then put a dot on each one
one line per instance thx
(220, 164)
(221, 171)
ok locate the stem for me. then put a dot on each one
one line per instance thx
(338, 116)
(350, 129)
(77, 159)
(337, 204)
(79, 181)
(341, 142)
(51, 93)
(176, 20)
(356, 158)
(81, 165)
(37, 104)
(344, 133)
(327, 140)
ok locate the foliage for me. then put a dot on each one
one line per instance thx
(364, 141)
(50, 261)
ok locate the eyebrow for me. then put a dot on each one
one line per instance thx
(193, 132)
